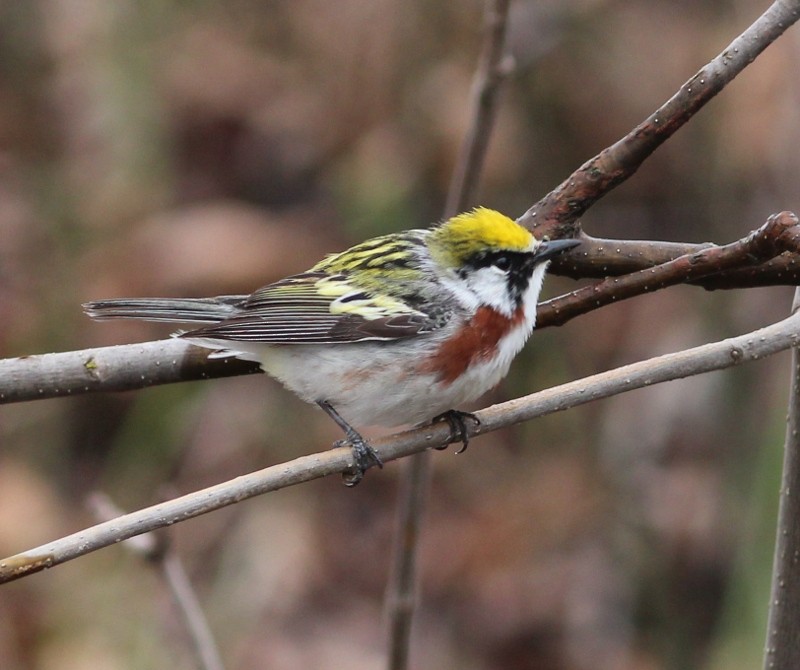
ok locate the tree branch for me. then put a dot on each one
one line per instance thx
(401, 590)
(598, 258)
(118, 368)
(714, 356)
(780, 234)
(783, 642)
(557, 213)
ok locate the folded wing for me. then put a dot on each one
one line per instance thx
(317, 308)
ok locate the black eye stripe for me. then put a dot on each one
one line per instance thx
(503, 260)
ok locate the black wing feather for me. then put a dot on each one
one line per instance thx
(293, 311)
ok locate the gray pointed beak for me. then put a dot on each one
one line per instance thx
(549, 248)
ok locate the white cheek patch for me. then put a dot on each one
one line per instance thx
(490, 285)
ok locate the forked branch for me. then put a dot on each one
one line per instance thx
(778, 237)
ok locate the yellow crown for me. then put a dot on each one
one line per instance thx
(482, 229)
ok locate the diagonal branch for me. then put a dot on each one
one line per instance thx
(714, 356)
(557, 213)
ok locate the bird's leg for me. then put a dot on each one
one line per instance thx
(456, 419)
(363, 454)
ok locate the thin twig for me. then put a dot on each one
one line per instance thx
(493, 68)
(557, 213)
(401, 589)
(783, 642)
(155, 550)
(189, 606)
(714, 356)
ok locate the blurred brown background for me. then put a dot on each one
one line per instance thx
(198, 147)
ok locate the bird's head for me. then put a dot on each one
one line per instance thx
(488, 259)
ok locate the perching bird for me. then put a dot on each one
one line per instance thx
(398, 329)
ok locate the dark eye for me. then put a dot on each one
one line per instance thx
(502, 263)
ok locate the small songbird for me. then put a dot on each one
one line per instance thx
(398, 329)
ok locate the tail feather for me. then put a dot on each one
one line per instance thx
(186, 310)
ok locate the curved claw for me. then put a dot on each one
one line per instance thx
(364, 457)
(456, 419)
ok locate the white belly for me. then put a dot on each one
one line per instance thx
(374, 383)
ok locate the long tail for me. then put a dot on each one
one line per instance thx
(186, 310)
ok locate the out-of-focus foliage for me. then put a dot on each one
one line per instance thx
(195, 148)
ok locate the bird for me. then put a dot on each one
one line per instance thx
(398, 329)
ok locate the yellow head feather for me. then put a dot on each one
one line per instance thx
(482, 229)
